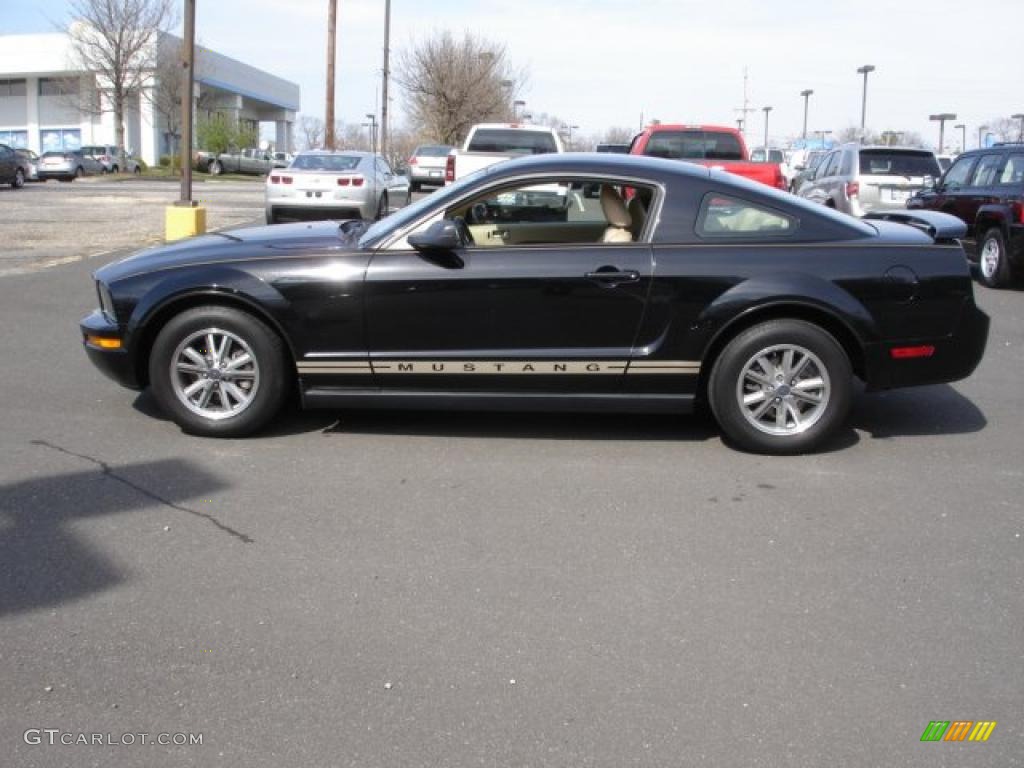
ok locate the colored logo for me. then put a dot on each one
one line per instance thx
(958, 730)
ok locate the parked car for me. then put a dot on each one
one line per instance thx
(710, 145)
(805, 168)
(858, 179)
(985, 189)
(67, 165)
(112, 160)
(254, 162)
(488, 294)
(490, 143)
(13, 167)
(342, 184)
(31, 162)
(427, 164)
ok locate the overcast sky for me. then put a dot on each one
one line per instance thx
(599, 63)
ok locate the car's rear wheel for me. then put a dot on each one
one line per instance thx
(781, 387)
(19, 179)
(138, 170)
(215, 168)
(382, 207)
(79, 172)
(218, 372)
(993, 265)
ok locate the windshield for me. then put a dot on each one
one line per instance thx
(410, 213)
(890, 162)
(694, 145)
(512, 141)
(326, 163)
(432, 151)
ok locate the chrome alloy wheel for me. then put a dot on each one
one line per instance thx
(214, 373)
(990, 256)
(783, 390)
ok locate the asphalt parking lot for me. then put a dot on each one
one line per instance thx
(407, 589)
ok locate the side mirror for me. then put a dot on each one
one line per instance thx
(439, 242)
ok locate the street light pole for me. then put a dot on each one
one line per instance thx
(865, 70)
(941, 119)
(385, 75)
(806, 94)
(821, 136)
(332, 29)
(766, 110)
(373, 131)
(963, 136)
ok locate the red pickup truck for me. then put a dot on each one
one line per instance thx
(710, 145)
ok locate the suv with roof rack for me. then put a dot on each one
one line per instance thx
(985, 188)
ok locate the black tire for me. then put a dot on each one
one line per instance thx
(19, 179)
(271, 385)
(382, 207)
(729, 378)
(414, 187)
(79, 172)
(271, 217)
(215, 168)
(115, 169)
(138, 170)
(408, 197)
(993, 263)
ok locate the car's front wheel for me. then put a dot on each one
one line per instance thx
(19, 179)
(382, 207)
(993, 266)
(215, 168)
(781, 387)
(218, 372)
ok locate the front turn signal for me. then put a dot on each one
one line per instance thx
(103, 342)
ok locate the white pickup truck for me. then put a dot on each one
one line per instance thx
(490, 143)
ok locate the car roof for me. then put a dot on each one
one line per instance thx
(599, 162)
(514, 127)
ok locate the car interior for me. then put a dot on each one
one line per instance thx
(563, 212)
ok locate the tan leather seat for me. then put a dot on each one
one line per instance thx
(618, 217)
(638, 213)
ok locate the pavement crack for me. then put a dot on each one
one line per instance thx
(110, 472)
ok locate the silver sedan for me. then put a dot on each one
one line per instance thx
(67, 165)
(327, 185)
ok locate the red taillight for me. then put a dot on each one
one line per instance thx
(357, 181)
(852, 188)
(1018, 212)
(906, 353)
(449, 169)
(275, 179)
(344, 181)
(286, 179)
(412, 160)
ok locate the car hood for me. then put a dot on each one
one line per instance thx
(238, 245)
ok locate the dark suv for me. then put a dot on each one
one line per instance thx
(985, 188)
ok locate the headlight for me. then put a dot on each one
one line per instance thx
(106, 302)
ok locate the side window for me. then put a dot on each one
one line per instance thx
(847, 169)
(724, 216)
(560, 211)
(828, 166)
(958, 173)
(985, 173)
(383, 167)
(1013, 171)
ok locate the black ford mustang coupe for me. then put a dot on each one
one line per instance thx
(560, 282)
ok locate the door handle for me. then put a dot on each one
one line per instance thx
(614, 276)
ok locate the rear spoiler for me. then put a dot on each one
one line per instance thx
(941, 227)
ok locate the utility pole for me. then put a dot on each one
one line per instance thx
(384, 80)
(806, 94)
(332, 34)
(865, 70)
(372, 125)
(766, 110)
(746, 108)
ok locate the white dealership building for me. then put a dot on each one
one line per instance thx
(48, 103)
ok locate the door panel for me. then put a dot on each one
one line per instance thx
(541, 318)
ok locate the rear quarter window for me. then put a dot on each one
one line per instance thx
(724, 216)
(1013, 173)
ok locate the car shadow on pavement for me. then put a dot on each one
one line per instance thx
(932, 410)
(44, 562)
(530, 426)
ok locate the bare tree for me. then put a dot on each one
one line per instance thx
(451, 84)
(166, 94)
(311, 132)
(618, 134)
(1004, 128)
(116, 40)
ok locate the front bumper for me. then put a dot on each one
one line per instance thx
(955, 356)
(118, 364)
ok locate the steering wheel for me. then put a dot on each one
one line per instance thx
(465, 234)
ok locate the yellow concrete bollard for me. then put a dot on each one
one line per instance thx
(184, 221)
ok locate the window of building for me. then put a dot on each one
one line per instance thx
(12, 88)
(16, 139)
(59, 139)
(55, 86)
